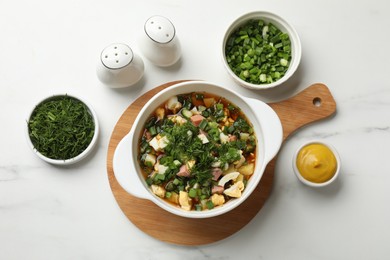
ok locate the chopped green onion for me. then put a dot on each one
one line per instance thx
(170, 186)
(152, 130)
(263, 77)
(219, 106)
(210, 204)
(160, 177)
(149, 181)
(231, 108)
(201, 108)
(186, 113)
(176, 181)
(192, 193)
(198, 207)
(231, 129)
(283, 62)
(203, 124)
(256, 50)
(148, 164)
(206, 113)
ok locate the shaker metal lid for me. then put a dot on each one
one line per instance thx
(159, 29)
(116, 56)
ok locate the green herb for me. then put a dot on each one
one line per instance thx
(185, 100)
(151, 122)
(213, 133)
(148, 164)
(192, 193)
(206, 113)
(198, 207)
(145, 148)
(210, 204)
(203, 124)
(177, 182)
(160, 177)
(170, 186)
(258, 53)
(241, 125)
(153, 130)
(61, 127)
(149, 181)
(186, 113)
(232, 108)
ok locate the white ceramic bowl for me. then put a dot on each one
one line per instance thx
(310, 183)
(266, 124)
(284, 26)
(81, 155)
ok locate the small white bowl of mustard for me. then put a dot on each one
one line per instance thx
(316, 164)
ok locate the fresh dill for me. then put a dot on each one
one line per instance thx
(61, 127)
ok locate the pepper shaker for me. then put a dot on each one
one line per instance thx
(159, 42)
(119, 66)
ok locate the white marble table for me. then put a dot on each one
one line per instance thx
(49, 212)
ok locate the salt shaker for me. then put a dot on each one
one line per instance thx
(159, 42)
(119, 66)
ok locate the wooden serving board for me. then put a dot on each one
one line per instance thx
(312, 104)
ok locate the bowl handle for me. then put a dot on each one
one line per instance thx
(270, 125)
(125, 171)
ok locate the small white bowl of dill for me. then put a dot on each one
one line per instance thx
(62, 129)
(261, 50)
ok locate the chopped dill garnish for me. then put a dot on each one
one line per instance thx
(61, 127)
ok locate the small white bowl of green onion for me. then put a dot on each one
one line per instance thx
(261, 50)
(62, 129)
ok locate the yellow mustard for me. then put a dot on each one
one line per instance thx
(316, 163)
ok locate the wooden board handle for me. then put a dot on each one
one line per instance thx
(312, 104)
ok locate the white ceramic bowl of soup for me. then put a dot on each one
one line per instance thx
(265, 122)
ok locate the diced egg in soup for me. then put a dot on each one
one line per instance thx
(197, 151)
